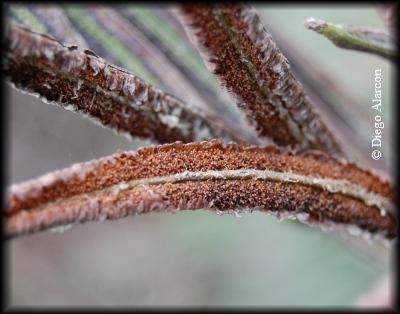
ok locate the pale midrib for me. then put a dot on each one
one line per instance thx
(266, 93)
(143, 107)
(114, 95)
(343, 187)
(51, 68)
(123, 101)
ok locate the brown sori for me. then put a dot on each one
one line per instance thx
(313, 187)
(240, 51)
(85, 83)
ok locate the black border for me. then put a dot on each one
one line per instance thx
(5, 138)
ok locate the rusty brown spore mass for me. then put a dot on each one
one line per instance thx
(85, 83)
(235, 77)
(240, 51)
(175, 177)
(319, 206)
(65, 195)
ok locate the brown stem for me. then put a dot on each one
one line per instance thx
(85, 83)
(315, 188)
(240, 51)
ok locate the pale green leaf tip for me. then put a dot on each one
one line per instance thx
(356, 38)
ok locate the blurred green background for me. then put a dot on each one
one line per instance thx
(190, 258)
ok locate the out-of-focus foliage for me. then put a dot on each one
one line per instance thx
(194, 258)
